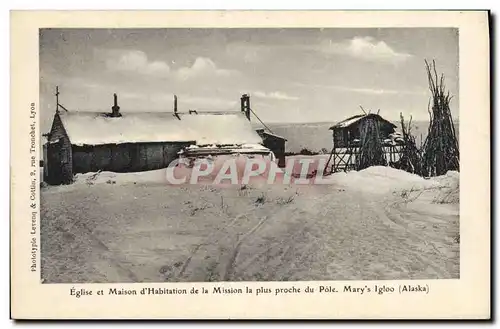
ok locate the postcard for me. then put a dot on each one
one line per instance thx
(250, 165)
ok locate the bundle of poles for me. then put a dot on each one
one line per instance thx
(371, 152)
(440, 150)
(411, 157)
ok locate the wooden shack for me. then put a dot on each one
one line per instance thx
(275, 143)
(81, 142)
(347, 132)
(347, 137)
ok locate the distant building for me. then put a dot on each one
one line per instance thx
(347, 138)
(81, 142)
(275, 143)
(347, 132)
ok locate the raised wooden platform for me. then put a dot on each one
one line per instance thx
(344, 158)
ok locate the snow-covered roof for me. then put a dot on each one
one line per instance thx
(262, 131)
(94, 128)
(351, 120)
(214, 149)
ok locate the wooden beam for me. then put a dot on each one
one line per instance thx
(57, 98)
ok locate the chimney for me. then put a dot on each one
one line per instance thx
(57, 99)
(115, 109)
(245, 105)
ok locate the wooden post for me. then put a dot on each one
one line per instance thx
(247, 113)
(115, 110)
(245, 105)
(334, 167)
(57, 99)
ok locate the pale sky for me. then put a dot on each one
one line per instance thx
(292, 75)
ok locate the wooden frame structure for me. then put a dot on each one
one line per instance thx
(345, 158)
(346, 149)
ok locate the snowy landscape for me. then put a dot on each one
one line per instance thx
(375, 110)
(376, 224)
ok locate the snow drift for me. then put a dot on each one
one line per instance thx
(373, 180)
(382, 180)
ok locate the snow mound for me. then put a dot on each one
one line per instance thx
(379, 179)
(91, 178)
(374, 180)
(450, 191)
(391, 173)
(451, 178)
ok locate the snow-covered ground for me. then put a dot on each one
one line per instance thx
(379, 223)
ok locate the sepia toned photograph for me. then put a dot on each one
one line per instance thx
(250, 165)
(249, 154)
